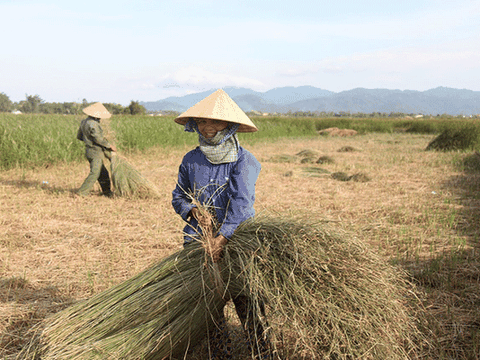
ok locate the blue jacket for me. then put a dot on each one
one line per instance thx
(228, 187)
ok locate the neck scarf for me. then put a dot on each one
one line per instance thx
(222, 148)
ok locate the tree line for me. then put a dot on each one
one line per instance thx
(35, 104)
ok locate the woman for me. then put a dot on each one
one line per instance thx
(220, 175)
(91, 133)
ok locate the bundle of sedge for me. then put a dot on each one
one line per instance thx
(128, 182)
(323, 294)
(160, 313)
(320, 295)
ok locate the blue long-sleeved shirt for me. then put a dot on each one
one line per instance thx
(228, 187)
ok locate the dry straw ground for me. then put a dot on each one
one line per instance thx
(417, 209)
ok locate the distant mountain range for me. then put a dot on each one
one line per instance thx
(441, 100)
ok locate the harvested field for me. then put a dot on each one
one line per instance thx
(420, 211)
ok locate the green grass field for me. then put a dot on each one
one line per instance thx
(42, 140)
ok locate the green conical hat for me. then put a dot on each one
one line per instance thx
(218, 106)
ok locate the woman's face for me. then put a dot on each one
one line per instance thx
(209, 128)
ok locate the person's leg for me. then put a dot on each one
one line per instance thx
(258, 343)
(220, 342)
(104, 181)
(96, 163)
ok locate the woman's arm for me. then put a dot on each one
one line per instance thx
(241, 193)
(181, 201)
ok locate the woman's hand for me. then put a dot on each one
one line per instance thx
(215, 250)
(214, 245)
(204, 220)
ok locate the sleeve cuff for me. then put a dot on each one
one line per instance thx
(227, 231)
(186, 210)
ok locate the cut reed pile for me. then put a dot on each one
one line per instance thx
(128, 181)
(326, 297)
(160, 313)
(457, 138)
(357, 177)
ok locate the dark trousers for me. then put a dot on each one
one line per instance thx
(258, 343)
(98, 172)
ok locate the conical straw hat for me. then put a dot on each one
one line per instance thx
(218, 106)
(97, 110)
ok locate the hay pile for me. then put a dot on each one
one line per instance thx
(334, 131)
(357, 177)
(325, 160)
(326, 297)
(315, 172)
(303, 157)
(160, 313)
(471, 163)
(347, 149)
(128, 182)
(464, 138)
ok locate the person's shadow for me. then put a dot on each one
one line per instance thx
(41, 185)
(450, 279)
(466, 188)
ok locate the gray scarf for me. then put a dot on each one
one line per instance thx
(222, 148)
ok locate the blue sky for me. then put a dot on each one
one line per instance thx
(118, 51)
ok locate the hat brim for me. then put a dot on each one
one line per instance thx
(218, 106)
(243, 128)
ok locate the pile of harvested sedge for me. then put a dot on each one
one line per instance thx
(128, 182)
(325, 296)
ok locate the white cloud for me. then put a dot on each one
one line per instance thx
(180, 81)
(197, 78)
